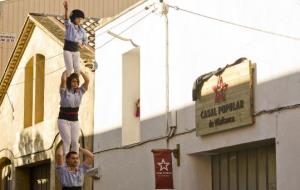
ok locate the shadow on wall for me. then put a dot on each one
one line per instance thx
(31, 143)
(38, 144)
(279, 92)
(275, 94)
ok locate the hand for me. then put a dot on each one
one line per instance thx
(63, 83)
(81, 45)
(86, 80)
(90, 156)
(65, 5)
(81, 71)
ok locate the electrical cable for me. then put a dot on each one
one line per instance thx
(130, 26)
(270, 111)
(127, 19)
(236, 24)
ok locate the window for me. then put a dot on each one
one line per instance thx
(131, 97)
(39, 88)
(28, 93)
(34, 90)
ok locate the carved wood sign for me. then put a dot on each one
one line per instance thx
(224, 99)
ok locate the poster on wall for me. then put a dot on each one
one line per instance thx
(163, 169)
(7, 37)
(224, 98)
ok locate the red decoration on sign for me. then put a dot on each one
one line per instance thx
(219, 90)
(163, 169)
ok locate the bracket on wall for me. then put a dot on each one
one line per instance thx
(95, 173)
(176, 154)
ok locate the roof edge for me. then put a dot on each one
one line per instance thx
(10, 67)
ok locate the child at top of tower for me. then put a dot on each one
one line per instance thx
(75, 38)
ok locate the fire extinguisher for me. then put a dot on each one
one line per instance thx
(137, 105)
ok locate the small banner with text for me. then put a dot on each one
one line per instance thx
(163, 169)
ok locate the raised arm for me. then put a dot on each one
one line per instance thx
(59, 157)
(85, 39)
(86, 80)
(66, 9)
(63, 83)
(89, 156)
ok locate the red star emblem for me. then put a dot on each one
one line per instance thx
(163, 165)
(219, 90)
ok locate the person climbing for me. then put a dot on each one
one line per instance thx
(70, 99)
(75, 38)
(70, 172)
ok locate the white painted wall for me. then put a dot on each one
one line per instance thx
(131, 94)
(197, 46)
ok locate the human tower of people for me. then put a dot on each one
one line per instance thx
(68, 168)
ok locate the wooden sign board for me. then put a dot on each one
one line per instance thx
(226, 101)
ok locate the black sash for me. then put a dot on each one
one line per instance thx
(71, 46)
(72, 188)
(69, 114)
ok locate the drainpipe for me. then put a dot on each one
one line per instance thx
(164, 13)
